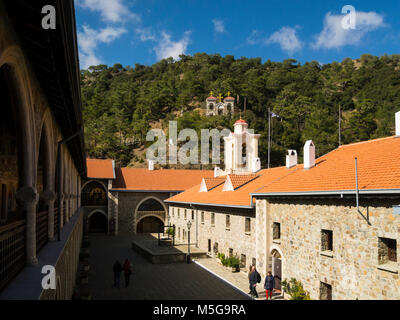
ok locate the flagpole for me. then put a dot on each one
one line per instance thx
(269, 136)
(340, 125)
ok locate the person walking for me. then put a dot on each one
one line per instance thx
(127, 272)
(254, 279)
(117, 268)
(248, 275)
(269, 285)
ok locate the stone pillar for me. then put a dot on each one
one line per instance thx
(49, 196)
(27, 198)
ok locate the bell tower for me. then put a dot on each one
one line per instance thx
(241, 150)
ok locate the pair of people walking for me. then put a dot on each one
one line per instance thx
(118, 268)
(255, 278)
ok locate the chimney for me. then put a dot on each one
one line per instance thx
(217, 172)
(291, 158)
(151, 165)
(398, 124)
(309, 155)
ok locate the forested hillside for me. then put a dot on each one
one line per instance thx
(120, 104)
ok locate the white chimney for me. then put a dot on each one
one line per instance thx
(309, 155)
(291, 158)
(217, 172)
(256, 165)
(151, 165)
(398, 124)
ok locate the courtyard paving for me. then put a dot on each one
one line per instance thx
(176, 281)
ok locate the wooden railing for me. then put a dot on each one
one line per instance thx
(64, 217)
(55, 221)
(12, 250)
(42, 227)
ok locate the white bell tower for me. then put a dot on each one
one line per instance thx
(241, 150)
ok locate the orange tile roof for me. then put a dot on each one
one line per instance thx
(378, 169)
(238, 198)
(239, 180)
(213, 182)
(100, 169)
(158, 180)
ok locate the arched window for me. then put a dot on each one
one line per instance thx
(211, 106)
(93, 194)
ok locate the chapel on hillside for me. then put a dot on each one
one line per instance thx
(219, 105)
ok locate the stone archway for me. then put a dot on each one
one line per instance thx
(150, 207)
(94, 193)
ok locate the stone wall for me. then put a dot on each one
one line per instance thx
(128, 203)
(352, 268)
(233, 238)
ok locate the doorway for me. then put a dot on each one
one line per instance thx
(277, 268)
(98, 223)
(150, 225)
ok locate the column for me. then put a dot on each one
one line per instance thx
(27, 198)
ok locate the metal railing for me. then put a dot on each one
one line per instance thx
(12, 250)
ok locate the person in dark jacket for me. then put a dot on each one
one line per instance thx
(254, 279)
(117, 268)
(269, 285)
(127, 272)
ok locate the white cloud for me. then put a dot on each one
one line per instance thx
(333, 35)
(287, 38)
(219, 26)
(110, 10)
(89, 39)
(167, 48)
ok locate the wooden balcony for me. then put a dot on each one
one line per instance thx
(42, 226)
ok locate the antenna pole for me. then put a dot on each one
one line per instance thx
(269, 136)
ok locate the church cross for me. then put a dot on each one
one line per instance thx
(220, 97)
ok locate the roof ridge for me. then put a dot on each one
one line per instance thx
(368, 141)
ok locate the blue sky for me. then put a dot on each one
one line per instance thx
(145, 31)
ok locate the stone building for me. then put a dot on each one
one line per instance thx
(314, 226)
(40, 217)
(131, 200)
(220, 105)
(334, 228)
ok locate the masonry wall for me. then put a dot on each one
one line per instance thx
(352, 268)
(235, 237)
(128, 203)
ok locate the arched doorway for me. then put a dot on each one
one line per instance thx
(277, 268)
(150, 225)
(150, 215)
(97, 222)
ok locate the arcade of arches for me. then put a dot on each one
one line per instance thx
(30, 129)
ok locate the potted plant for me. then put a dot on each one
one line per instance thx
(295, 290)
